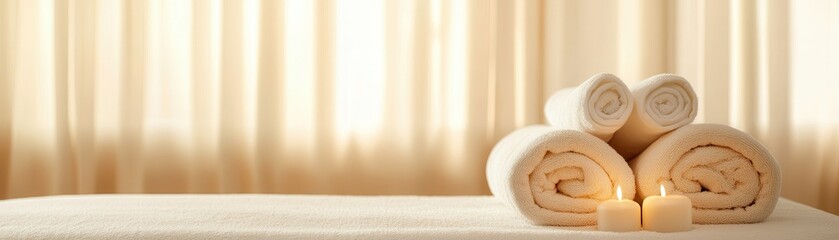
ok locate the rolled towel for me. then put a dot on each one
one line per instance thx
(728, 175)
(599, 106)
(552, 176)
(662, 103)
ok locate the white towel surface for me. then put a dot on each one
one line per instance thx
(599, 106)
(662, 103)
(727, 174)
(256, 216)
(556, 177)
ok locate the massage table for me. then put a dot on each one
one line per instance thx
(258, 216)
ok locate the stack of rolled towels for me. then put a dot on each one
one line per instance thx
(603, 134)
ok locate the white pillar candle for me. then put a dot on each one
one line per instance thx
(620, 215)
(667, 213)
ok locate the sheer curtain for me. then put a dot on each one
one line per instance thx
(295, 96)
(766, 67)
(379, 96)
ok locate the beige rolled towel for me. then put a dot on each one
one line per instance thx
(552, 176)
(599, 106)
(662, 103)
(727, 174)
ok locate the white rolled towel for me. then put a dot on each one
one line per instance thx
(553, 176)
(727, 174)
(662, 103)
(599, 106)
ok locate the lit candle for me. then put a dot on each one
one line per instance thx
(619, 215)
(667, 213)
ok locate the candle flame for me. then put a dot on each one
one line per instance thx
(620, 193)
(662, 191)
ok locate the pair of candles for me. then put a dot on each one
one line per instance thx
(661, 214)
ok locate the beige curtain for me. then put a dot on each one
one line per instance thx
(769, 68)
(379, 96)
(295, 96)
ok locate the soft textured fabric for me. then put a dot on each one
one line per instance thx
(662, 103)
(599, 106)
(727, 174)
(554, 176)
(340, 217)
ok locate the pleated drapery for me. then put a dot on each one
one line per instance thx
(295, 96)
(379, 96)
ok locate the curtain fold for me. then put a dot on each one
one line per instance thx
(7, 27)
(377, 96)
